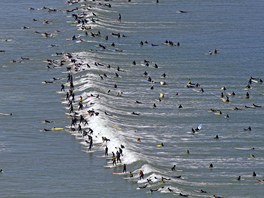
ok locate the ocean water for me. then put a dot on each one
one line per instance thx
(36, 163)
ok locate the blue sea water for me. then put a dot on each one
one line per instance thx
(53, 164)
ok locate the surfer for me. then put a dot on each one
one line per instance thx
(118, 157)
(203, 191)
(120, 151)
(160, 145)
(106, 151)
(256, 105)
(113, 158)
(143, 186)
(79, 128)
(211, 165)
(215, 51)
(260, 181)
(152, 190)
(183, 195)
(173, 168)
(248, 87)
(216, 196)
(248, 129)
(119, 17)
(247, 95)
(48, 121)
(141, 174)
(80, 106)
(105, 139)
(91, 142)
(164, 178)
(47, 82)
(82, 120)
(62, 87)
(177, 176)
(131, 174)
(169, 189)
(124, 168)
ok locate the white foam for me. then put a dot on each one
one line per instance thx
(103, 129)
(100, 124)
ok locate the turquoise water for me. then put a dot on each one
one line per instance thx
(54, 164)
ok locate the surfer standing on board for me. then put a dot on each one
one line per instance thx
(124, 168)
(141, 174)
(114, 158)
(106, 151)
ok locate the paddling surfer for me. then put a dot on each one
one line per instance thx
(6, 114)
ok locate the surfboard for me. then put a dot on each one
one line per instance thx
(103, 156)
(159, 145)
(111, 166)
(47, 82)
(98, 143)
(163, 83)
(54, 129)
(120, 173)
(254, 81)
(218, 113)
(252, 156)
(116, 127)
(260, 181)
(224, 100)
(91, 151)
(244, 149)
(142, 181)
(6, 114)
(57, 129)
(128, 178)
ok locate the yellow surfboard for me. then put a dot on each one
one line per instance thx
(57, 129)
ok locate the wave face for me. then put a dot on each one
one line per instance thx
(171, 87)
